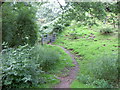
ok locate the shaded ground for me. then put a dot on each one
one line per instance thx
(67, 80)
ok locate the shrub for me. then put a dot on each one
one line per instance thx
(103, 72)
(58, 28)
(106, 30)
(101, 84)
(86, 79)
(19, 70)
(106, 67)
(47, 57)
(18, 24)
(23, 67)
(60, 24)
(67, 24)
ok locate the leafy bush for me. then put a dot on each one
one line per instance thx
(23, 67)
(86, 79)
(19, 70)
(101, 84)
(58, 28)
(60, 24)
(47, 57)
(18, 24)
(106, 30)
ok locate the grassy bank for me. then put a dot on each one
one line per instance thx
(97, 54)
(60, 68)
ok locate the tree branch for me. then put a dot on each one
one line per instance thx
(60, 5)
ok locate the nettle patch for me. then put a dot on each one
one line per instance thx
(23, 67)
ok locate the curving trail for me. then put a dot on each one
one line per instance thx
(67, 80)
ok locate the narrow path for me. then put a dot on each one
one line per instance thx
(67, 80)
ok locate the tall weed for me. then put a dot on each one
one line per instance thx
(102, 72)
(106, 67)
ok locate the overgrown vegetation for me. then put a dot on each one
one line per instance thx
(106, 30)
(103, 72)
(18, 24)
(97, 56)
(26, 66)
(88, 29)
(106, 67)
(23, 66)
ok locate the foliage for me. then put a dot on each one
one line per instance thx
(22, 67)
(58, 28)
(102, 84)
(98, 83)
(18, 21)
(46, 57)
(60, 24)
(106, 30)
(27, 66)
(96, 68)
(113, 7)
(86, 79)
(77, 84)
(48, 11)
(46, 28)
(19, 70)
(82, 11)
(106, 67)
(59, 69)
(89, 12)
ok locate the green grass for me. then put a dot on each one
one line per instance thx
(65, 59)
(89, 45)
(34, 67)
(77, 84)
(51, 80)
(59, 69)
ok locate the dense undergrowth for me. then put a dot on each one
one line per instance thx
(97, 55)
(32, 67)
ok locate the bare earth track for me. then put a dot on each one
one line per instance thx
(67, 80)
